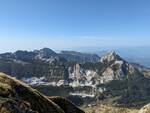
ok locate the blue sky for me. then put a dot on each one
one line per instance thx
(65, 24)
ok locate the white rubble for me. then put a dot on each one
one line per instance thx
(34, 80)
(83, 94)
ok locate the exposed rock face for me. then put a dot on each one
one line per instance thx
(117, 68)
(108, 75)
(145, 109)
(77, 71)
(82, 77)
(17, 97)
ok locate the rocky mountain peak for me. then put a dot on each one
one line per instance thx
(110, 56)
(45, 53)
(117, 68)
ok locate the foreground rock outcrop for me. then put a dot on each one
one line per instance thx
(17, 97)
(145, 109)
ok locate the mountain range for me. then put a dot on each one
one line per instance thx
(78, 76)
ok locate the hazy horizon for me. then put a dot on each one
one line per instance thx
(81, 44)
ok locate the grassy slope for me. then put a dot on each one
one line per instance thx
(22, 97)
(66, 105)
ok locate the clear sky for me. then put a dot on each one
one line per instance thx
(61, 24)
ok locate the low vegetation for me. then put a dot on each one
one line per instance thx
(109, 109)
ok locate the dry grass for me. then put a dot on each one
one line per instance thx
(22, 97)
(109, 109)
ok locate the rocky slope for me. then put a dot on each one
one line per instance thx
(117, 68)
(17, 97)
(145, 109)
